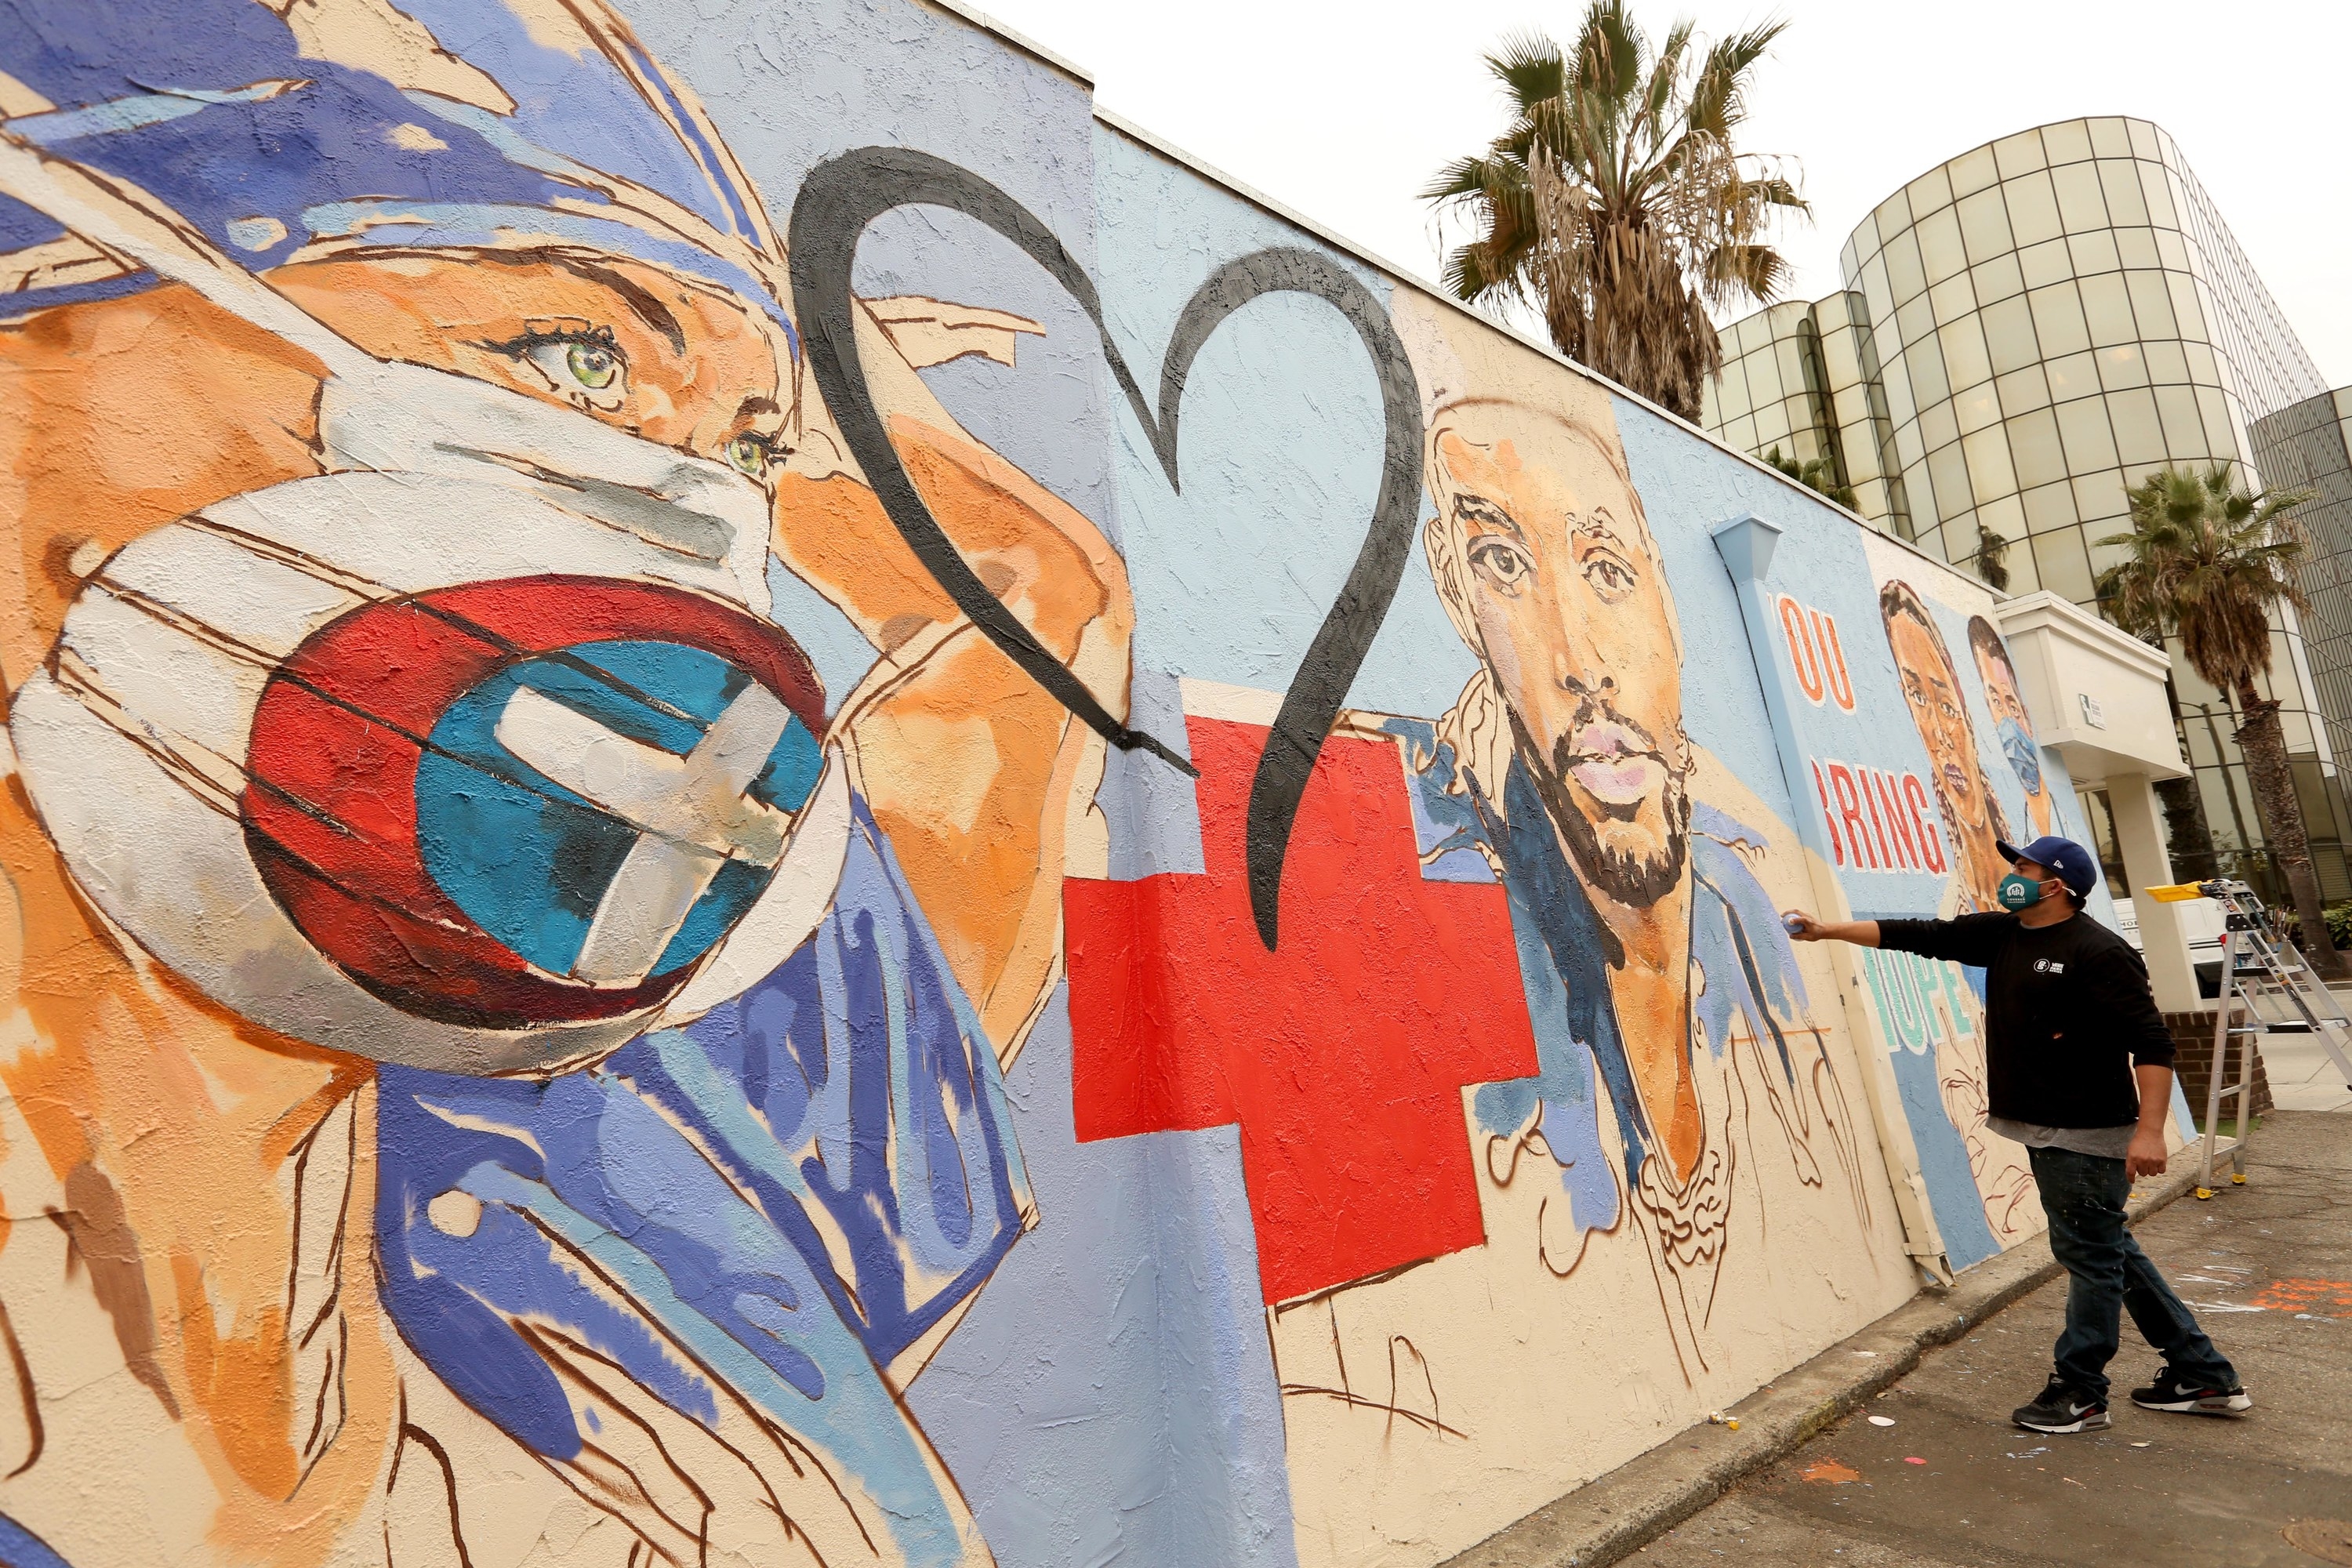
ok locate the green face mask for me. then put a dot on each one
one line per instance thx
(2018, 891)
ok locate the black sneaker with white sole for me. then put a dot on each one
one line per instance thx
(2062, 1409)
(2174, 1392)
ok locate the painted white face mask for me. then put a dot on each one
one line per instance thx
(474, 752)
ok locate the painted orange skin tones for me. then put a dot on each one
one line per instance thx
(1931, 687)
(2002, 698)
(167, 1120)
(1572, 616)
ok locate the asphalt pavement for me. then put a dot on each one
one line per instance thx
(1931, 1474)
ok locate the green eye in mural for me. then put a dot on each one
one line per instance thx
(582, 365)
(754, 454)
(592, 365)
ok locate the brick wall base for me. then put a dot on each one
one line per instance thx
(2192, 1034)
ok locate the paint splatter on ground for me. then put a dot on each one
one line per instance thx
(2321, 1298)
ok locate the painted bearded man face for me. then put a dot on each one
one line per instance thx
(1931, 687)
(1567, 606)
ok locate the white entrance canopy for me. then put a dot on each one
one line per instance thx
(2097, 696)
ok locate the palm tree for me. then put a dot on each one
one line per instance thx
(1991, 557)
(1616, 203)
(2211, 564)
(1818, 474)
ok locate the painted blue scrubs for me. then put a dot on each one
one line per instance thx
(697, 1173)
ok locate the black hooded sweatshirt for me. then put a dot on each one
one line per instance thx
(2067, 1014)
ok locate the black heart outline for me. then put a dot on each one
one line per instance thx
(842, 196)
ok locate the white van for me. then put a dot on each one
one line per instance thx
(2200, 919)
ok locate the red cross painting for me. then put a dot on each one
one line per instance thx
(1342, 1056)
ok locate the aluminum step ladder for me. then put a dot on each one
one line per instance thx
(2252, 951)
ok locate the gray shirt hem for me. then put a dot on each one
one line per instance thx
(2105, 1142)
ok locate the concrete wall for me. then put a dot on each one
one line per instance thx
(774, 803)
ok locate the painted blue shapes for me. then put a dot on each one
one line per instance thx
(252, 171)
(889, 1128)
(702, 1177)
(526, 859)
(1916, 997)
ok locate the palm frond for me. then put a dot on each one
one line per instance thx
(1772, 191)
(1759, 270)
(1665, 69)
(1716, 103)
(1615, 201)
(1530, 67)
(2210, 563)
(1610, 51)
(1466, 177)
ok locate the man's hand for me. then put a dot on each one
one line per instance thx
(1803, 927)
(2146, 1156)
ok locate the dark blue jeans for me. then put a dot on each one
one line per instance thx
(2083, 1196)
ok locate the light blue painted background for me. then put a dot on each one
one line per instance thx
(1110, 1396)
(1280, 448)
(791, 83)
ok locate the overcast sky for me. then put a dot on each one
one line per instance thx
(1342, 107)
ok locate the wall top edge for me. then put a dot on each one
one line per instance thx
(987, 24)
(1111, 120)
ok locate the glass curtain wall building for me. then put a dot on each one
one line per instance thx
(2024, 332)
(2307, 446)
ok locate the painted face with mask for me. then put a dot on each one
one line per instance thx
(2024, 756)
(396, 690)
(588, 400)
(2012, 726)
(233, 672)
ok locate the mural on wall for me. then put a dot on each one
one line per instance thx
(683, 891)
(497, 1062)
(1973, 823)
(1566, 763)
(1687, 1109)
(2014, 726)
(1911, 815)
(1939, 700)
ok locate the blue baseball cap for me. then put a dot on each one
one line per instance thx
(2069, 860)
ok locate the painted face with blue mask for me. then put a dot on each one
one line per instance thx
(2024, 757)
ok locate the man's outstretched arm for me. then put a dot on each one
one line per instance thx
(1969, 939)
(1803, 927)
